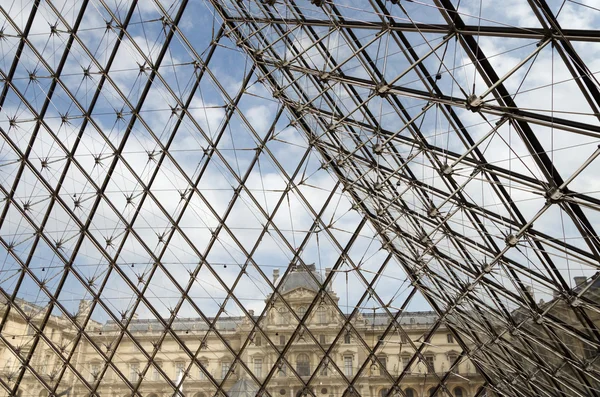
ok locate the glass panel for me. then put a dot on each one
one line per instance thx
(296, 198)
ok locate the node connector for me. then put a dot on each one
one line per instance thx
(554, 195)
(382, 89)
(447, 170)
(511, 240)
(474, 102)
(575, 302)
(433, 212)
(487, 268)
(378, 149)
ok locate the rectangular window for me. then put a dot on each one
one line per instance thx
(44, 366)
(224, 369)
(430, 367)
(155, 373)
(450, 338)
(179, 369)
(258, 367)
(382, 362)
(282, 340)
(348, 366)
(322, 339)
(257, 340)
(30, 330)
(94, 372)
(404, 338)
(322, 315)
(405, 361)
(134, 370)
(324, 368)
(347, 338)
(201, 374)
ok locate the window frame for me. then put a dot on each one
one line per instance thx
(155, 373)
(348, 369)
(134, 372)
(225, 367)
(322, 315)
(257, 366)
(303, 367)
(430, 359)
(347, 338)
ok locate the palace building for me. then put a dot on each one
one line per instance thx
(331, 360)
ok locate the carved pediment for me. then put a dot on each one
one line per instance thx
(299, 293)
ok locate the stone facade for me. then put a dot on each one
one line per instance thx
(347, 346)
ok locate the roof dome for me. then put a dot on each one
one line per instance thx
(300, 277)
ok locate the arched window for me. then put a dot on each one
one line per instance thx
(322, 315)
(384, 392)
(347, 337)
(432, 392)
(410, 392)
(199, 394)
(301, 311)
(303, 365)
(282, 318)
(459, 392)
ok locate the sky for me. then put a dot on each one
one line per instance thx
(200, 172)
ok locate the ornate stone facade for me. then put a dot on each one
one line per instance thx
(348, 370)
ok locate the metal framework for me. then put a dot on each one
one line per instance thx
(159, 158)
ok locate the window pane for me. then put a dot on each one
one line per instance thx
(348, 366)
(258, 367)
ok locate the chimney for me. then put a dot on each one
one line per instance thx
(579, 280)
(555, 294)
(251, 312)
(275, 275)
(530, 291)
(327, 272)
